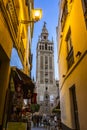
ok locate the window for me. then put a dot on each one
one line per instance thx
(51, 48)
(46, 74)
(46, 67)
(70, 52)
(46, 81)
(41, 77)
(46, 60)
(64, 15)
(69, 41)
(51, 77)
(41, 62)
(84, 6)
(50, 62)
(42, 47)
(84, 3)
(45, 46)
(44, 37)
(47, 96)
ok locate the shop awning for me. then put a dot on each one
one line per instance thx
(23, 79)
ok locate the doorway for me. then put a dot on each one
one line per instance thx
(74, 108)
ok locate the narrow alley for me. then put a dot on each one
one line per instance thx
(43, 64)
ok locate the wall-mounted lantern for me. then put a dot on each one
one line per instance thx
(36, 15)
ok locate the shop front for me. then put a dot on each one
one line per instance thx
(21, 91)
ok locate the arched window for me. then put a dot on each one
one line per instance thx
(45, 46)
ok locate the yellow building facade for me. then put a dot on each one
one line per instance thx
(72, 60)
(14, 34)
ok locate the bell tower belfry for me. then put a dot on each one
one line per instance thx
(44, 34)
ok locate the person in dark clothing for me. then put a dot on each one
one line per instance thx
(37, 121)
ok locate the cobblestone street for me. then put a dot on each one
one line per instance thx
(44, 128)
(38, 128)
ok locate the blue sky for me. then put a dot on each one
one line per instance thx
(50, 16)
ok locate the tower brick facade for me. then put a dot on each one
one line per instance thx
(45, 80)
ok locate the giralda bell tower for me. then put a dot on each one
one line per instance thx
(45, 81)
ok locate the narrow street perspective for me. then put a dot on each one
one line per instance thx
(43, 64)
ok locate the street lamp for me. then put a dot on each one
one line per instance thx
(36, 15)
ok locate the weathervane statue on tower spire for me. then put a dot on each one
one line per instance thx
(45, 23)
